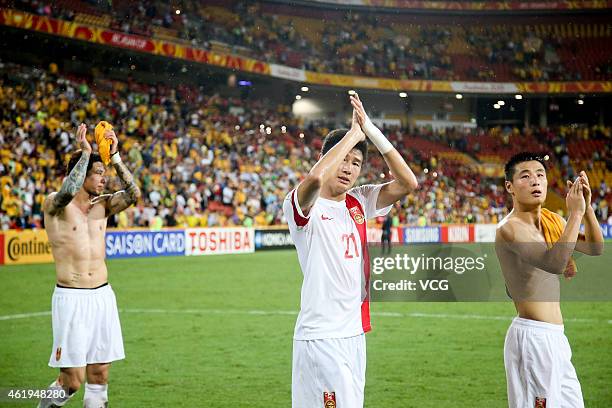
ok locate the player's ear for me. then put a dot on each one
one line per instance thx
(509, 188)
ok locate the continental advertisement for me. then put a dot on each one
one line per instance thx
(170, 49)
(25, 247)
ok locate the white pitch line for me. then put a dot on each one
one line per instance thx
(294, 313)
(24, 315)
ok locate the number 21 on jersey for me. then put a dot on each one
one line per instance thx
(350, 243)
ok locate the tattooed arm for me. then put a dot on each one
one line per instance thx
(122, 199)
(55, 202)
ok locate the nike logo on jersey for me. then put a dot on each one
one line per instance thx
(324, 218)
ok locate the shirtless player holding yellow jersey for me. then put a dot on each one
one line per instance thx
(86, 329)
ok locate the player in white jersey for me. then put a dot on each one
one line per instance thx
(327, 220)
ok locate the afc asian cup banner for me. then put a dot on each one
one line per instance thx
(174, 49)
(212, 241)
(101, 35)
(422, 234)
(136, 243)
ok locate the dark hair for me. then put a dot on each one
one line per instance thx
(523, 157)
(76, 156)
(336, 135)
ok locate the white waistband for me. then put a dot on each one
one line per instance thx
(536, 324)
(82, 291)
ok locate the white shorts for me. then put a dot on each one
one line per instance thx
(86, 328)
(538, 364)
(328, 373)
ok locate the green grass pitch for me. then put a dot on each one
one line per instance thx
(217, 332)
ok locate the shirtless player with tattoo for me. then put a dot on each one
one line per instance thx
(86, 329)
(534, 247)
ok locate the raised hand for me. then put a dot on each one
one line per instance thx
(372, 132)
(586, 187)
(362, 116)
(575, 199)
(81, 138)
(110, 134)
(356, 127)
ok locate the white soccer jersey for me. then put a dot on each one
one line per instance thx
(332, 250)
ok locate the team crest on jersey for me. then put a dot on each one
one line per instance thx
(540, 402)
(58, 353)
(357, 215)
(329, 400)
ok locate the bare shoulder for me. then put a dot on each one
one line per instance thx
(47, 204)
(508, 228)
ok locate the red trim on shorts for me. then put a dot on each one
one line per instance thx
(299, 220)
(352, 202)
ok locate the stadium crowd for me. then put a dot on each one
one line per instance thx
(356, 44)
(206, 160)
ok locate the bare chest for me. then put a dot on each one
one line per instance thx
(77, 228)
